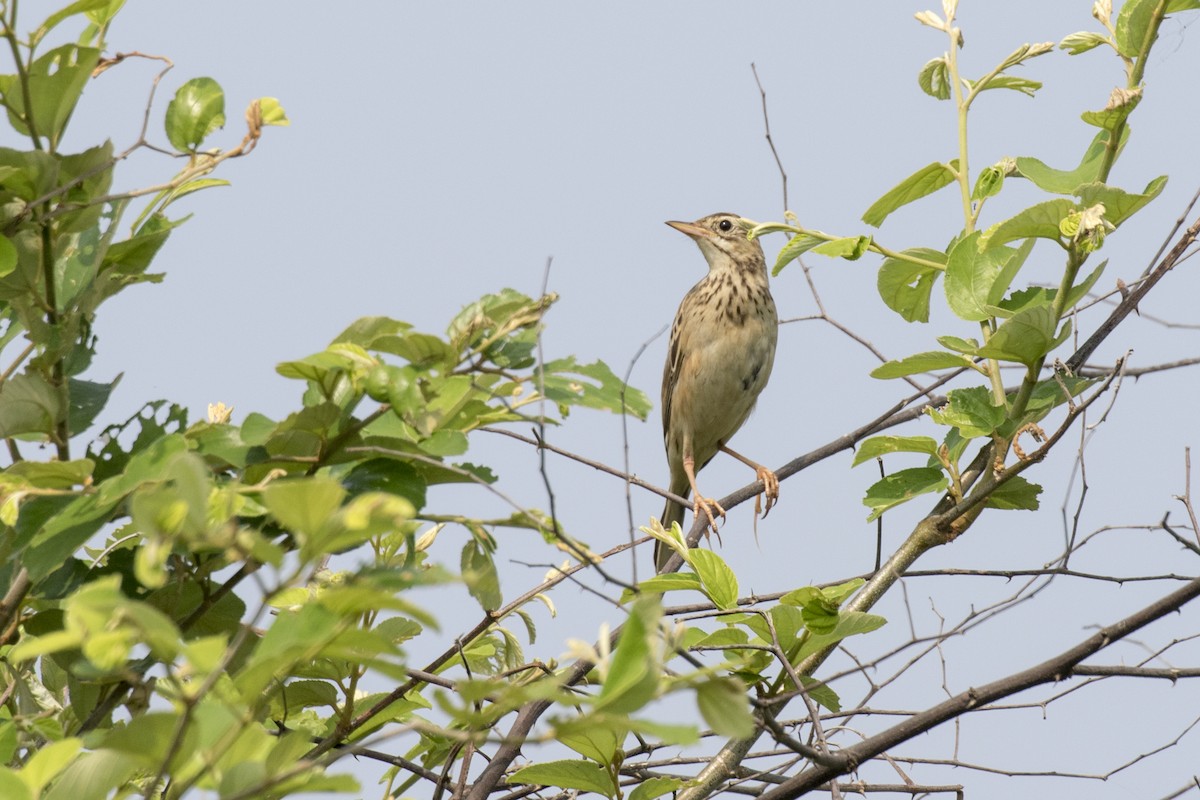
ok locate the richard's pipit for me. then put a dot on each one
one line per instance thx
(720, 356)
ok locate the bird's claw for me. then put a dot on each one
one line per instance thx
(770, 491)
(708, 506)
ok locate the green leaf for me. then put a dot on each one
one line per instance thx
(11, 785)
(934, 78)
(1119, 205)
(1026, 337)
(591, 738)
(850, 623)
(970, 276)
(87, 401)
(651, 788)
(78, 7)
(48, 761)
(387, 475)
(850, 248)
(1040, 221)
(28, 404)
(1053, 392)
(1081, 42)
(272, 112)
(1080, 290)
(877, 446)
(1133, 27)
(1016, 493)
(921, 183)
(419, 349)
(1176, 6)
(53, 474)
(902, 486)
(633, 672)
(971, 411)
(1008, 271)
(921, 362)
(603, 390)
(959, 345)
(479, 573)
(1057, 181)
(54, 81)
(906, 287)
(676, 581)
(64, 533)
(717, 580)
(8, 256)
(722, 703)
(197, 109)
(303, 505)
(585, 776)
(94, 775)
(796, 246)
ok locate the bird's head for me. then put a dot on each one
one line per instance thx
(722, 238)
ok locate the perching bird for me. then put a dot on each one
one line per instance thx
(719, 359)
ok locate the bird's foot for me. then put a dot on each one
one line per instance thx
(770, 491)
(711, 510)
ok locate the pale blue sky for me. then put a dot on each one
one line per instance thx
(442, 150)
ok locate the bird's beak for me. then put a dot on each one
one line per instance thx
(694, 231)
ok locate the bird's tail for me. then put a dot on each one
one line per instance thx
(672, 512)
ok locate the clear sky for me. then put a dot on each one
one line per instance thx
(442, 150)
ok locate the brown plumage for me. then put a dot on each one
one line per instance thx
(720, 356)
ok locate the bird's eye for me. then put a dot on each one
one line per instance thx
(725, 225)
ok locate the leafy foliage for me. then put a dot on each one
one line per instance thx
(139, 661)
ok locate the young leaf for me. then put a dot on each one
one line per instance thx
(1023, 85)
(1081, 42)
(1121, 104)
(921, 362)
(717, 580)
(921, 183)
(990, 182)
(934, 78)
(902, 486)
(197, 109)
(797, 246)
(850, 248)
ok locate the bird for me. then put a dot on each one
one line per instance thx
(719, 358)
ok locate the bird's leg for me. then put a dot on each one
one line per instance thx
(769, 480)
(701, 503)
